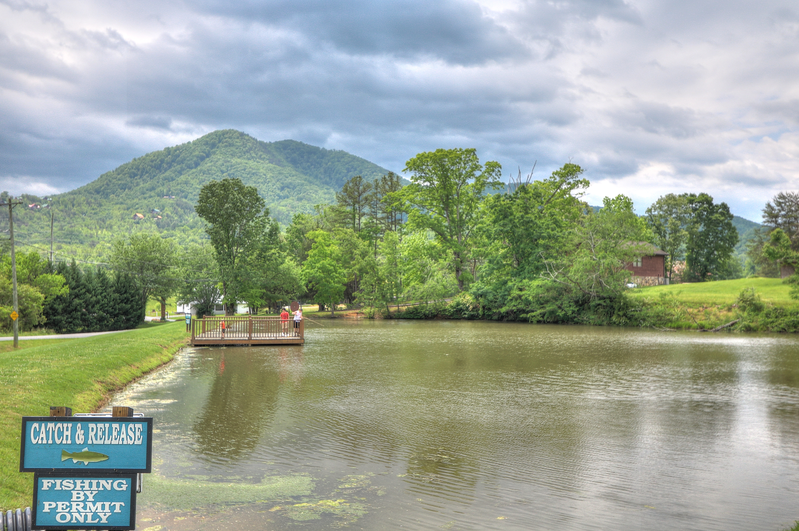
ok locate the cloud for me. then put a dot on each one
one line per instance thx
(456, 32)
(650, 97)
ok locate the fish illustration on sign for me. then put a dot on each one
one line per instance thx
(85, 455)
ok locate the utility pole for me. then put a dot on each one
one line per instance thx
(51, 234)
(15, 312)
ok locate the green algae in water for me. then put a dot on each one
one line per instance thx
(355, 481)
(346, 512)
(192, 494)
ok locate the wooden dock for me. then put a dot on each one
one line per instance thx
(246, 330)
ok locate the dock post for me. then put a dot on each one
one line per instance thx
(249, 335)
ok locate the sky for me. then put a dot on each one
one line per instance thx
(650, 97)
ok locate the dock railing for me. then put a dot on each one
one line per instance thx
(246, 329)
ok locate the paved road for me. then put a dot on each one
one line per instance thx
(58, 336)
(74, 336)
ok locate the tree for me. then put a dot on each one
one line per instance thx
(30, 303)
(711, 237)
(352, 255)
(668, 218)
(779, 249)
(444, 196)
(296, 235)
(199, 275)
(382, 282)
(384, 211)
(425, 274)
(323, 270)
(603, 244)
(152, 262)
(355, 198)
(272, 276)
(523, 228)
(782, 212)
(94, 302)
(237, 218)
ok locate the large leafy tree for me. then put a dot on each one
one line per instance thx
(424, 269)
(273, 277)
(323, 270)
(237, 219)
(447, 187)
(711, 237)
(669, 218)
(530, 224)
(297, 241)
(152, 262)
(603, 244)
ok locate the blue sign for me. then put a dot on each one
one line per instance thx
(84, 502)
(188, 318)
(86, 444)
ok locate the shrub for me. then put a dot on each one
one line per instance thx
(749, 301)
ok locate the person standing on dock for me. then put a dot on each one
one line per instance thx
(223, 329)
(284, 320)
(297, 320)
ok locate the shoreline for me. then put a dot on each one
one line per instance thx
(80, 373)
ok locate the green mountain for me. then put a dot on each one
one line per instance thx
(289, 175)
(158, 191)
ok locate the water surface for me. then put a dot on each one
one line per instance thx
(474, 425)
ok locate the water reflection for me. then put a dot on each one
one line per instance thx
(239, 407)
(497, 426)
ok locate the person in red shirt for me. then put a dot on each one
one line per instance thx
(284, 320)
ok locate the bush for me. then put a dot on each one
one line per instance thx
(749, 301)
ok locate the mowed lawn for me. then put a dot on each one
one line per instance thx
(722, 292)
(78, 373)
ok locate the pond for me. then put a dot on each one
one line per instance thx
(475, 425)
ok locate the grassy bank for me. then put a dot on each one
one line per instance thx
(79, 373)
(758, 304)
(723, 292)
(754, 305)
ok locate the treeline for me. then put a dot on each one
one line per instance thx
(66, 298)
(535, 251)
(455, 242)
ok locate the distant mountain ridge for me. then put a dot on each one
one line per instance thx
(291, 176)
(158, 191)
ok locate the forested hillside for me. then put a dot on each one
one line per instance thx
(159, 190)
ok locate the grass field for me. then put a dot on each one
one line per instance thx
(78, 373)
(8, 346)
(722, 292)
(707, 305)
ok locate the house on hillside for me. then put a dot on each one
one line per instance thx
(649, 269)
(138, 217)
